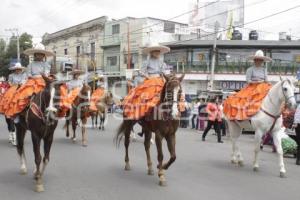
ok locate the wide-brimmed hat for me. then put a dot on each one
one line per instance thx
(17, 66)
(259, 55)
(39, 48)
(156, 47)
(76, 71)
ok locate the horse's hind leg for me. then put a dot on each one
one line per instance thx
(258, 138)
(171, 141)
(84, 134)
(36, 141)
(126, 143)
(160, 157)
(235, 132)
(74, 124)
(147, 144)
(20, 147)
(277, 143)
(67, 128)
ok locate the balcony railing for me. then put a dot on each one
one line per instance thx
(234, 68)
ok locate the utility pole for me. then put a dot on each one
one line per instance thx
(128, 46)
(213, 60)
(15, 31)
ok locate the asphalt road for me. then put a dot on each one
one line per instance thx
(202, 171)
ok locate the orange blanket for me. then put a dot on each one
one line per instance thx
(97, 94)
(141, 99)
(22, 96)
(68, 98)
(247, 102)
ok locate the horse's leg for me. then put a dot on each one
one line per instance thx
(103, 120)
(100, 120)
(147, 145)
(235, 132)
(258, 138)
(20, 147)
(74, 124)
(36, 141)
(171, 141)
(83, 130)
(47, 147)
(67, 128)
(126, 143)
(160, 157)
(277, 143)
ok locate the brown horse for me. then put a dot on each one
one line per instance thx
(163, 121)
(104, 103)
(79, 113)
(41, 122)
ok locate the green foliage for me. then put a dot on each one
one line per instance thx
(9, 51)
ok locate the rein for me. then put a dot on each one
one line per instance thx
(275, 117)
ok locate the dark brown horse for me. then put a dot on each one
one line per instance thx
(41, 121)
(79, 113)
(163, 121)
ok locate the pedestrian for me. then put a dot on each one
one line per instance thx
(201, 115)
(195, 108)
(297, 130)
(223, 122)
(214, 119)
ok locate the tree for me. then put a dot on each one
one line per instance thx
(9, 52)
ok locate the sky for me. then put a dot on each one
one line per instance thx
(39, 16)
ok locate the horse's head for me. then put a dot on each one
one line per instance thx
(287, 93)
(171, 93)
(108, 98)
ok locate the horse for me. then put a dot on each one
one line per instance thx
(79, 113)
(105, 101)
(163, 120)
(39, 118)
(268, 119)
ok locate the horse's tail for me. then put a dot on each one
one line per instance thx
(125, 127)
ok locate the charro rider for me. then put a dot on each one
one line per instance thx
(98, 93)
(247, 101)
(15, 80)
(35, 82)
(70, 91)
(146, 95)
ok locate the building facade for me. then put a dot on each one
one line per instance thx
(194, 59)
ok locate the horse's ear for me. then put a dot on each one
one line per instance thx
(181, 77)
(280, 78)
(166, 77)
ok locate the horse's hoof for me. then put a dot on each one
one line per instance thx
(23, 171)
(163, 183)
(234, 162)
(298, 162)
(74, 140)
(127, 167)
(84, 144)
(282, 175)
(241, 163)
(255, 169)
(150, 172)
(39, 188)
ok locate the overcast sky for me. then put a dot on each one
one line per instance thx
(39, 16)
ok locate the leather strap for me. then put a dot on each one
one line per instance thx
(272, 116)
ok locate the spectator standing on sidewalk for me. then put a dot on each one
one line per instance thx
(195, 108)
(202, 114)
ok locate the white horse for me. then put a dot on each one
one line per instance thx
(268, 119)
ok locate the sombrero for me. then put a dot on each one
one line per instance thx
(156, 47)
(17, 66)
(76, 71)
(260, 56)
(39, 48)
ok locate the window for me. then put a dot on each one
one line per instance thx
(116, 29)
(169, 27)
(66, 51)
(112, 60)
(78, 51)
(93, 51)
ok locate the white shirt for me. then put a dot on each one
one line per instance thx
(297, 115)
(74, 84)
(17, 79)
(36, 69)
(153, 67)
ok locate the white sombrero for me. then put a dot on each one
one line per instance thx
(17, 66)
(260, 55)
(156, 47)
(39, 48)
